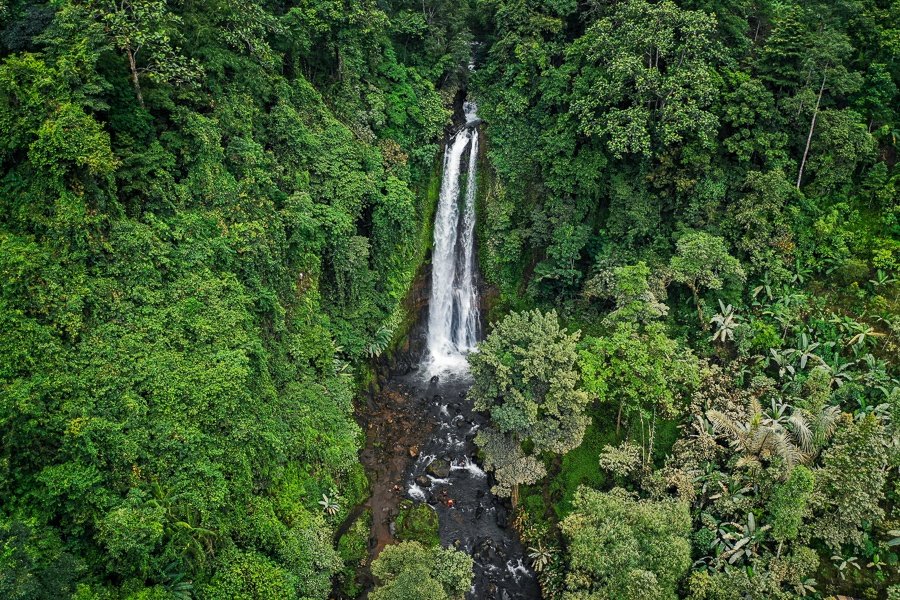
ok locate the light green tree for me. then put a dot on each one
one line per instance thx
(643, 372)
(527, 379)
(143, 30)
(788, 504)
(622, 548)
(702, 262)
(410, 571)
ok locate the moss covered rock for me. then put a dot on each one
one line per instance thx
(417, 523)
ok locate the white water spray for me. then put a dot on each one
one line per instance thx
(453, 318)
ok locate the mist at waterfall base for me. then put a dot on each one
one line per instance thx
(445, 474)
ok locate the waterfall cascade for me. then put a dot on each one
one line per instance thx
(453, 318)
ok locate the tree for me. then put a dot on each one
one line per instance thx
(527, 380)
(622, 548)
(788, 504)
(701, 262)
(824, 60)
(629, 288)
(758, 226)
(645, 373)
(410, 571)
(512, 467)
(645, 81)
(851, 482)
(139, 27)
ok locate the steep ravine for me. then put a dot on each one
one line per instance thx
(420, 426)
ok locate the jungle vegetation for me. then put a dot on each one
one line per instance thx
(689, 222)
(702, 197)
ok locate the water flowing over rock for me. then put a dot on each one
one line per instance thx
(453, 318)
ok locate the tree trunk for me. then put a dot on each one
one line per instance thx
(134, 77)
(812, 127)
(514, 496)
(703, 324)
(619, 420)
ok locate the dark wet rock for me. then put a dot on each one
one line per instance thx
(462, 500)
(486, 550)
(439, 468)
(423, 481)
(502, 518)
(435, 379)
(437, 398)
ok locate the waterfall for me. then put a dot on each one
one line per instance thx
(453, 318)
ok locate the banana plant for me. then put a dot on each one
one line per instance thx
(842, 564)
(744, 542)
(782, 361)
(807, 586)
(725, 322)
(806, 351)
(882, 279)
(801, 272)
(540, 556)
(839, 370)
(329, 505)
(864, 335)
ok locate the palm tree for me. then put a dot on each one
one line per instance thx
(822, 424)
(759, 439)
(182, 527)
(726, 322)
(381, 339)
(783, 432)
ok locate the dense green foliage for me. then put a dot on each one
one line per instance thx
(209, 217)
(625, 548)
(526, 380)
(210, 213)
(411, 571)
(708, 190)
